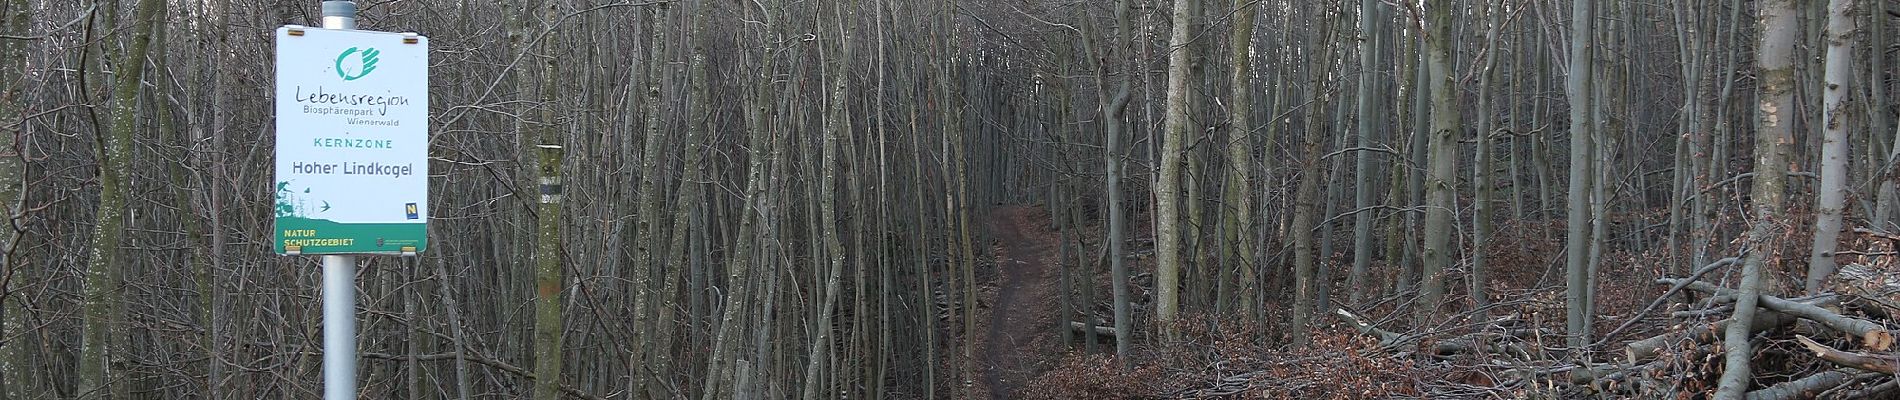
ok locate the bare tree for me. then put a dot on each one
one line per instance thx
(545, 160)
(1774, 134)
(1168, 190)
(1831, 196)
(1441, 171)
(1239, 207)
(1577, 296)
(104, 369)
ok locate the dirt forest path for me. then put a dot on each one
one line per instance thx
(1021, 334)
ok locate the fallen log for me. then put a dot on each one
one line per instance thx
(1401, 343)
(1364, 327)
(1877, 363)
(1642, 351)
(1078, 326)
(1802, 388)
(1872, 335)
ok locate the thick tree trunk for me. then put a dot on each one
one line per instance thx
(1442, 165)
(1774, 134)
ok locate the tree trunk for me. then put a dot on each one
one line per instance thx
(1774, 134)
(1369, 39)
(1239, 202)
(15, 365)
(1169, 257)
(1483, 167)
(647, 234)
(1114, 108)
(836, 127)
(548, 263)
(1832, 195)
(1442, 166)
(103, 361)
(720, 375)
(1306, 196)
(1576, 269)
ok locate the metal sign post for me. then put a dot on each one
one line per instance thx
(352, 161)
(339, 276)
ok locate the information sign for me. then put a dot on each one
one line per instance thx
(352, 142)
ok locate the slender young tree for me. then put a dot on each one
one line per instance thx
(1774, 61)
(1483, 166)
(1114, 108)
(1368, 106)
(1577, 242)
(1239, 205)
(648, 230)
(836, 126)
(545, 160)
(1306, 196)
(757, 203)
(103, 367)
(1832, 194)
(1169, 257)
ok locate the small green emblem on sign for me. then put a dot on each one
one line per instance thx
(360, 66)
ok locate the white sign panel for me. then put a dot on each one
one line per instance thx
(352, 142)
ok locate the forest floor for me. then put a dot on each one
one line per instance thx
(1020, 340)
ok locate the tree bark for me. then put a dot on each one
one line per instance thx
(836, 127)
(1239, 202)
(15, 365)
(1882, 363)
(720, 378)
(1442, 166)
(548, 263)
(1802, 388)
(1483, 165)
(1369, 43)
(1872, 334)
(1576, 245)
(1831, 196)
(1169, 257)
(1774, 134)
(1114, 108)
(103, 359)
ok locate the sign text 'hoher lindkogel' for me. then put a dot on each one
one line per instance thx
(352, 142)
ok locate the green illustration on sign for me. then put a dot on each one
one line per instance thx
(359, 67)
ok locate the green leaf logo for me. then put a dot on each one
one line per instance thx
(353, 68)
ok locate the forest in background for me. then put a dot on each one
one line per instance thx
(805, 199)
